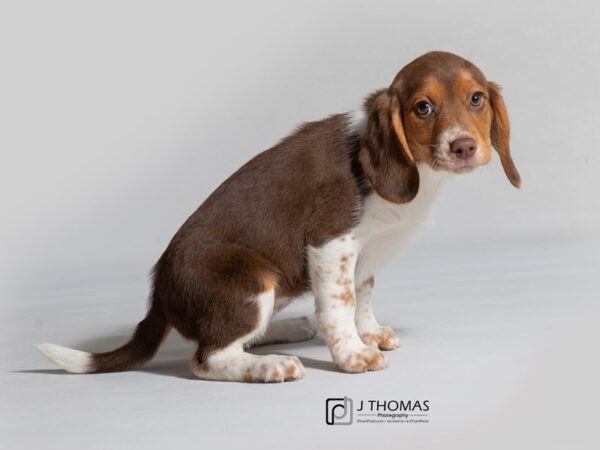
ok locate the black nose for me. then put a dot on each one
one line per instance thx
(463, 148)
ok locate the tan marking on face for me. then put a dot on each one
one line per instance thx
(452, 109)
(433, 89)
(420, 132)
(476, 122)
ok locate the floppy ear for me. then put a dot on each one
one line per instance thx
(384, 153)
(500, 134)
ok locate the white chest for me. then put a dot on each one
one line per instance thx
(385, 227)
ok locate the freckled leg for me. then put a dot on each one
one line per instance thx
(332, 276)
(371, 333)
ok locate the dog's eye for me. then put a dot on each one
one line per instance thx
(476, 99)
(424, 108)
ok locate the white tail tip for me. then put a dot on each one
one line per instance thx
(74, 361)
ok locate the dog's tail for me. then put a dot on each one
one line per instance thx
(143, 345)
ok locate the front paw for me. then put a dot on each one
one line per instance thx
(383, 338)
(361, 360)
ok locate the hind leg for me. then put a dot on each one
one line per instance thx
(233, 363)
(229, 302)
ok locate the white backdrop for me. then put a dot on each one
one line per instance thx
(118, 118)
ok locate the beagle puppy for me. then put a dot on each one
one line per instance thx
(320, 211)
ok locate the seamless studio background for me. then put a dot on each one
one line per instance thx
(117, 119)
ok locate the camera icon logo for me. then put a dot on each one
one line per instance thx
(338, 411)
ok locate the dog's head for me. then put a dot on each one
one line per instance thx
(439, 110)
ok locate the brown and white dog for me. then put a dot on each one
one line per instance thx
(322, 210)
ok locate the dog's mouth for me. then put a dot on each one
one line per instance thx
(456, 165)
(462, 166)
